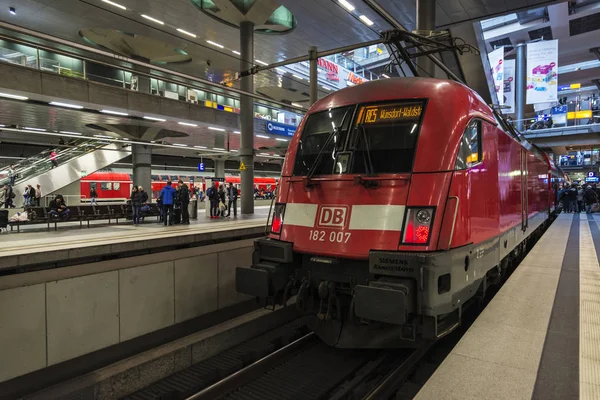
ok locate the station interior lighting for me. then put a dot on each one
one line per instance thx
(263, 136)
(154, 118)
(200, 147)
(114, 112)
(384, 75)
(71, 133)
(112, 3)
(215, 44)
(236, 52)
(152, 19)
(212, 128)
(180, 144)
(103, 136)
(13, 96)
(366, 20)
(218, 148)
(346, 5)
(261, 62)
(67, 105)
(186, 32)
(188, 124)
(281, 139)
(237, 132)
(34, 129)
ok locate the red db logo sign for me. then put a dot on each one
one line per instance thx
(332, 217)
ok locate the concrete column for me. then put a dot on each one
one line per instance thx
(219, 168)
(520, 85)
(314, 75)
(425, 22)
(247, 118)
(143, 85)
(142, 172)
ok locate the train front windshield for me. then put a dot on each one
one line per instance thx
(368, 139)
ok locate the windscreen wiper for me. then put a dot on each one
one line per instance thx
(368, 162)
(317, 162)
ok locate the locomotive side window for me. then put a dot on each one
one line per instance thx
(323, 134)
(470, 152)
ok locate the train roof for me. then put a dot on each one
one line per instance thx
(435, 90)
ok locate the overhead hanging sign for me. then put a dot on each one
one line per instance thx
(275, 128)
(542, 72)
(509, 86)
(496, 59)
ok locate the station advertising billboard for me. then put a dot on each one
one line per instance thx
(496, 59)
(276, 128)
(509, 86)
(542, 72)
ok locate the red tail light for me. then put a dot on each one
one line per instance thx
(417, 227)
(277, 221)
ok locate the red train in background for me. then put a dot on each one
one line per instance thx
(117, 185)
(401, 201)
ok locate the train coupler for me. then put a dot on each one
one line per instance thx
(266, 280)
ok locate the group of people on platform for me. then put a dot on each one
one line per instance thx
(217, 198)
(575, 198)
(32, 196)
(173, 204)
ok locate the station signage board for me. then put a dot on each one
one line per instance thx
(276, 128)
(201, 167)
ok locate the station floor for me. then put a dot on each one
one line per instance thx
(539, 337)
(37, 238)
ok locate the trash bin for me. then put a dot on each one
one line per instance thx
(193, 209)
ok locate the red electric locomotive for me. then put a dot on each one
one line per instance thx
(400, 201)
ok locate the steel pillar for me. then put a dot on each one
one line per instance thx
(314, 75)
(247, 118)
(520, 85)
(425, 22)
(142, 166)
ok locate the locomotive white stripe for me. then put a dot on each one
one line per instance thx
(377, 217)
(300, 214)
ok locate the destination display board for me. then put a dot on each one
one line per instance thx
(389, 113)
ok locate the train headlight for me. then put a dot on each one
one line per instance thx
(417, 226)
(423, 216)
(277, 220)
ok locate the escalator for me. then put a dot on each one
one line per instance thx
(84, 157)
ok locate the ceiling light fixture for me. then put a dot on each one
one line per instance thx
(152, 19)
(12, 11)
(103, 136)
(384, 75)
(261, 62)
(215, 44)
(114, 112)
(155, 119)
(297, 76)
(263, 136)
(297, 105)
(115, 4)
(236, 52)
(2, 125)
(325, 87)
(281, 139)
(180, 144)
(34, 129)
(187, 124)
(13, 96)
(366, 20)
(200, 147)
(218, 148)
(237, 132)
(70, 133)
(67, 105)
(264, 154)
(346, 5)
(186, 32)
(234, 150)
(212, 128)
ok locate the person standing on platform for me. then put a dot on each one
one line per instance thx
(184, 199)
(135, 206)
(572, 195)
(213, 197)
(580, 199)
(232, 193)
(590, 198)
(167, 195)
(93, 196)
(38, 195)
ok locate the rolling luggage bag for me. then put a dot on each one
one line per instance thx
(177, 215)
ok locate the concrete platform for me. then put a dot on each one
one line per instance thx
(538, 337)
(36, 245)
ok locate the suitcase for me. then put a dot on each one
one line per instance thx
(3, 219)
(177, 215)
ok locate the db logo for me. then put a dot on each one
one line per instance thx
(332, 217)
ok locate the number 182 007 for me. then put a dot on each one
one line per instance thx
(333, 237)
